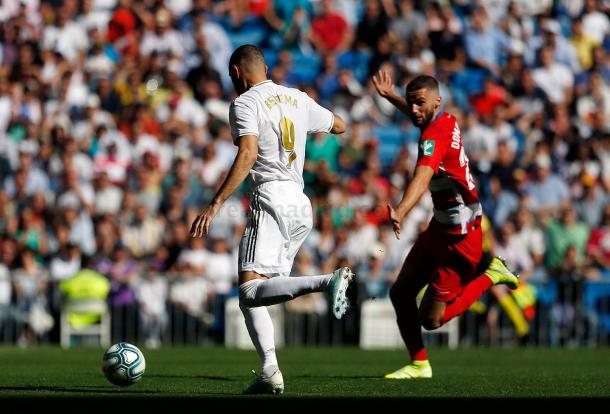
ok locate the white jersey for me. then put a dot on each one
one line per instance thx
(281, 118)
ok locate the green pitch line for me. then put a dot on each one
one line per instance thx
(312, 372)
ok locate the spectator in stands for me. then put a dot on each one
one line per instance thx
(143, 236)
(372, 26)
(30, 282)
(516, 254)
(590, 205)
(583, 44)
(547, 191)
(296, 32)
(184, 177)
(31, 232)
(152, 292)
(195, 258)
(567, 314)
(598, 245)
(86, 284)
(595, 23)
(108, 196)
(66, 260)
(554, 78)
(373, 275)
(485, 44)
(34, 178)
(529, 235)
(409, 23)
(594, 102)
(500, 203)
(220, 269)
(480, 144)
(77, 193)
(191, 294)
(362, 236)
(566, 233)
(160, 36)
(330, 31)
(122, 271)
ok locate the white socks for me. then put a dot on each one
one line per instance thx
(260, 328)
(258, 292)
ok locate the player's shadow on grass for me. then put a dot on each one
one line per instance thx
(204, 377)
(93, 389)
(339, 377)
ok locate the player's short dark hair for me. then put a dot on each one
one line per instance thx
(422, 82)
(248, 55)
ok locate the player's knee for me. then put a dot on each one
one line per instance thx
(247, 294)
(430, 322)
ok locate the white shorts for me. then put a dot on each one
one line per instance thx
(279, 220)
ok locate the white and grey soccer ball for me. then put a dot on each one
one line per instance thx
(123, 364)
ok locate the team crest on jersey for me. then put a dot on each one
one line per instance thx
(427, 147)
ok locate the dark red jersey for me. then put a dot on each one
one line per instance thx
(456, 201)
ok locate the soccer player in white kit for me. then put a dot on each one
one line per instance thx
(269, 125)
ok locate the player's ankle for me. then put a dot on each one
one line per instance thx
(269, 370)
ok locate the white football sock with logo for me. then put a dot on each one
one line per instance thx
(258, 292)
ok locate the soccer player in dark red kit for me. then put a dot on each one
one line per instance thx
(445, 256)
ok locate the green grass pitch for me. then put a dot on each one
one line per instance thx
(312, 372)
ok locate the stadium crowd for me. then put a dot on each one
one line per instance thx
(114, 134)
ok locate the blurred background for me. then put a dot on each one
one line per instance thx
(114, 134)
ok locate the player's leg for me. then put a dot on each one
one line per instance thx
(257, 318)
(266, 292)
(268, 248)
(414, 275)
(261, 332)
(448, 295)
(403, 293)
(278, 235)
(448, 286)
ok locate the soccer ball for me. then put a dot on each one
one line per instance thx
(123, 364)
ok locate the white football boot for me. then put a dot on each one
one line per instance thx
(337, 288)
(261, 384)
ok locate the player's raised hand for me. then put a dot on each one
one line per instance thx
(201, 224)
(395, 219)
(383, 83)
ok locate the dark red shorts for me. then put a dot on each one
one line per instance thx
(444, 261)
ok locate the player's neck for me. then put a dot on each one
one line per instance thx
(255, 81)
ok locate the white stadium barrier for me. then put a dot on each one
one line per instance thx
(378, 328)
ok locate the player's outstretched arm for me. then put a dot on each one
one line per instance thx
(385, 88)
(417, 187)
(245, 159)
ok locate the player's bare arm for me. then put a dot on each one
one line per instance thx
(417, 187)
(245, 159)
(385, 88)
(338, 125)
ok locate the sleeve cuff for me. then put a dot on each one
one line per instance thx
(332, 122)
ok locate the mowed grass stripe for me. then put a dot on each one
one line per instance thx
(312, 372)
